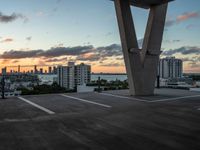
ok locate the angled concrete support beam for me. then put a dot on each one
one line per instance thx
(141, 64)
(154, 31)
(129, 42)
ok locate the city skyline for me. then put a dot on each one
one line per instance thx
(58, 31)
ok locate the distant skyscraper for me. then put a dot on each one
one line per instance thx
(4, 70)
(41, 70)
(170, 67)
(50, 70)
(19, 69)
(35, 69)
(54, 70)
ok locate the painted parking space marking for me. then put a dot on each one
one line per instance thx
(151, 101)
(124, 97)
(37, 106)
(176, 98)
(86, 101)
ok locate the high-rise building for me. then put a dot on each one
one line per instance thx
(50, 70)
(35, 69)
(72, 75)
(4, 71)
(54, 70)
(82, 74)
(41, 70)
(19, 69)
(62, 72)
(170, 67)
(71, 66)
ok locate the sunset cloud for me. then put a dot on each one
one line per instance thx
(81, 51)
(7, 40)
(113, 64)
(181, 18)
(54, 60)
(187, 15)
(104, 56)
(182, 50)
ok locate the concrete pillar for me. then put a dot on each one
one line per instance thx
(141, 64)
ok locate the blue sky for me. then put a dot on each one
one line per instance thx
(43, 24)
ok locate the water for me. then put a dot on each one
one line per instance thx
(109, 77)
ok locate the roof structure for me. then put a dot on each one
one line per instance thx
(147, 3)
(108, 120)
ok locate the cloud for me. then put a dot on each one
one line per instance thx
(111, 50)
(170, 22)
(55, 10)
(7, 40)
(56, 59)
(20, 54)
(12, 17)
(187, 15)
(192, 26)
(90, 53)
(58, 1)
(194, 65)
(61, 51)
(112, 64)
(171, 41)
(5, 61)
(53, 52)
(59, 45)
(186, 59)
(40, 14)
(29, 38)
(174, 41)
(79, 53)
(183, 51)
(15, 61)
(181, 18)
(108, 34)
(59, 54)
(89, 57)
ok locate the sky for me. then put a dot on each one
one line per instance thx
(54, 32)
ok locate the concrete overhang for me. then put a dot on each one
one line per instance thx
(147, 3)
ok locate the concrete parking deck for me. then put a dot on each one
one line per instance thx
(105, 121)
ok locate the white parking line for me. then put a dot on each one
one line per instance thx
(37, 106)
(124, 97)
(83, 100)
(176, 98)
(151, 101)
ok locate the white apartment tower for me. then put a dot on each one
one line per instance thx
(62, 72)
(170, 67)
(72, 75)
(71, 66)
(82, 74)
